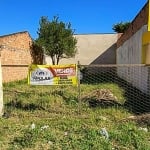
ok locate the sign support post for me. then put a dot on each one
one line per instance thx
(79, 88)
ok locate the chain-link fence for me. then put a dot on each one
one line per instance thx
(127, 86)
(101, 86)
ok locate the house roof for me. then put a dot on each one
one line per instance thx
(22, 32)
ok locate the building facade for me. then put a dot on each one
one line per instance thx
(15, 55)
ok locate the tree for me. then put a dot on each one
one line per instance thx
(57, 39)
(37, 53)
(121, 27)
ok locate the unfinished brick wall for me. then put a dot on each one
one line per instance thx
(140, 20)
(15, 56)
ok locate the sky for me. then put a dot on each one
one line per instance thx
(85, 16)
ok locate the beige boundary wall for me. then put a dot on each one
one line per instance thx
(129, 51)
(93, 49)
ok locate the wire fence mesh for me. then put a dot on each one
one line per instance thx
(127, 86)
(100, 85)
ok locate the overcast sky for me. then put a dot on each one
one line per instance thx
(85, 16)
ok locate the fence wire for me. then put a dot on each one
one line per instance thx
(127, 86)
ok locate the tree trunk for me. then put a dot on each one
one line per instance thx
(57, 59)
(1, 91)
(53, 60)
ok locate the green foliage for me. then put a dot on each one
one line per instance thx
(56, 38)
(37, 53)
(28, 139)
(129, 134)
(67, 129)
(121, 27)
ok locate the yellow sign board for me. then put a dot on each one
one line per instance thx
(52, 75)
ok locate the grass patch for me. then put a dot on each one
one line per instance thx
(58, 125)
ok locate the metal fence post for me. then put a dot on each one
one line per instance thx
(79, 88)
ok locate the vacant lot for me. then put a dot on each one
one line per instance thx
(50, 117)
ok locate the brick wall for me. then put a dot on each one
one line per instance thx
(140, 20)
(15, 55)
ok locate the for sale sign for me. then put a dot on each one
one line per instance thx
(52, 75)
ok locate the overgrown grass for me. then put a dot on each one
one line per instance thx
(60, 126)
